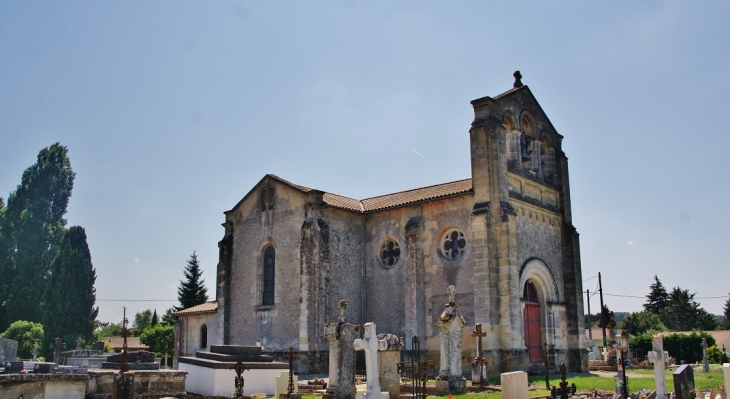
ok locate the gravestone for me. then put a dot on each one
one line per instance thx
(138, 360)
(341, 336)
(705, 362)
(479, 366)
(684, 382)
(123, 385)
(658, 356)
(370, 344)
(514, 385)
(57, 347)
(8, 350)
(388, 359)
(451, 324)
(726, 373)
(282, 385)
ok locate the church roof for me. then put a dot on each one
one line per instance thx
(389, 200)
(417, 195)
(202, 308)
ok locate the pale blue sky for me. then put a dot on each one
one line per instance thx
(173, 110)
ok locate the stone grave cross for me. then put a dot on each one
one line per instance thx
(342, 305)
(705, 362)
(658, 357)
(57, 347)
(480, 354)
(370, 344)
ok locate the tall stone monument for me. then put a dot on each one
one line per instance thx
(370, 344)
(341, 336)
(659, 357)
(451, 325)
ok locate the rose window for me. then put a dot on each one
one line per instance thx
(453, 244)
(389, 253)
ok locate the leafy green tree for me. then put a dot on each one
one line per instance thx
(656, 301)
(34, 220)
(142, 320)
(168, 319)
(192, 291)
(682, 313)
(159, 338)
(28, 334)
(641, 322)
(726, 314)
(70, 295)
(108, 330)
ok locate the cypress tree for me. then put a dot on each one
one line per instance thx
(657, 298)
(192, 291)
(34, 220)
(726, 313)
(70, 296)
(6, 270)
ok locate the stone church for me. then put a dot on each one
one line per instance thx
(504, 238)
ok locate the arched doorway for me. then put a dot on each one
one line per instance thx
(531, 322)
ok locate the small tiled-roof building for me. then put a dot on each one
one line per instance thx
(133, 344)
(504, 237)
(195, 330)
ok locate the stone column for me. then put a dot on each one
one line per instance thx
(341, 336)
(705, 362)
(657, 356)
(414, 280)
(726, 372)
(451, 324)
(388, 359)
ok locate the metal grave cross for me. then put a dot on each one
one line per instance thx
(238, 379)
(291, 357)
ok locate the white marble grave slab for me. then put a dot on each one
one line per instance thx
(514, 385)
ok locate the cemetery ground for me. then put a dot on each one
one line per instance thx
(602, 382)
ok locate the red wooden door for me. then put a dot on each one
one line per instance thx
(532, 331)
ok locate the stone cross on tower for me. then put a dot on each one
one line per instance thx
(658, 357)
(370, 344)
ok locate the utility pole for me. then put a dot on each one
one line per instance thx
(590, 327)
(603, 316)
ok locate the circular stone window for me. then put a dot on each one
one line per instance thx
(453, 244)
(389, 253)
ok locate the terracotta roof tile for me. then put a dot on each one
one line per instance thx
(202, 308)
(389, 200)
(417, 195)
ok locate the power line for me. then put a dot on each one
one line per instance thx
(136, 300)
(642, 297)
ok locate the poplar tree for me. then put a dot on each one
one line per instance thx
(192, 291)
(35, 224)
(5, 267)
(70, 296)
(657, 298)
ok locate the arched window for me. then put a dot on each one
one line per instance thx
(203, 337)
(530, 293)
(269, 273)
(547, 157)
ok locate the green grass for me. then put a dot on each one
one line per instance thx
(585, 383)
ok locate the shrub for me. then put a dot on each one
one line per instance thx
(683, 348)
(159, 338)
(28, 334)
